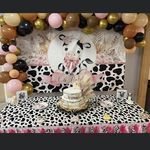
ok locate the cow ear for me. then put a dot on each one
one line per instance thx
(62, 36)
(87, 45)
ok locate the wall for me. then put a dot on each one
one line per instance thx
(2, 95)
(132, 72)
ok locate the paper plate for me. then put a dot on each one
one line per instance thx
(106, 104)
(40, 105)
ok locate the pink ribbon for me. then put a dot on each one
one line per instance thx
(58, 78)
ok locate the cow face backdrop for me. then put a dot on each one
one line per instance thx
(55, 57)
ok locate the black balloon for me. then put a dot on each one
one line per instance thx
(60, 28)
(20, 65)
(109, 26)
(24, 28)
(5, 47)
(119, 26)
(83, 22)
(139, 37)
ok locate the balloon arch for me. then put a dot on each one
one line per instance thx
(130, 25)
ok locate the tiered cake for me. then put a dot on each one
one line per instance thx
(72, 100)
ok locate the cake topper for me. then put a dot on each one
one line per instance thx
(77, 98)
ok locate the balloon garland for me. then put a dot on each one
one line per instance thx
(131, 25)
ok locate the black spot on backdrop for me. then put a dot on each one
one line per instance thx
(57, 88)
(102, 67)
(50, 86)
(95, 69)
(39, 79)
(105, 88)
(39, 67)
(32, 72)
(46, 73)
(33, 67)
(99, 85)
(111, 66)
(110, 79)
(45, 68)
(119, 65)
(118, 82)
(35, 84)
(117, 71)
(107, 73)
(42, 87)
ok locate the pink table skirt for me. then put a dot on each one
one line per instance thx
(104, 128)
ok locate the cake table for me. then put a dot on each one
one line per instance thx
(23, 118)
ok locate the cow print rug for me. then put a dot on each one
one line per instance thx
(23, 115)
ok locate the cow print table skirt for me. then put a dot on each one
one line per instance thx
(23, 118)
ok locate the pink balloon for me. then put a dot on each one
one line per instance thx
(55, 20)
(101, 15)
(140, 29)
(7, 67)
(12, 48)
(13, 86)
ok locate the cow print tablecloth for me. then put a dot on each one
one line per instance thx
(24, 119)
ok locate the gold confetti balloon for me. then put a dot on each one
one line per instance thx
(86, 15)
(112, 18)
(103, 23)
(39, 24)
(88, 30)
(2, 22)
(28, 87)
(141, 44)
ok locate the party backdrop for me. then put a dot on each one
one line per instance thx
(54, 57)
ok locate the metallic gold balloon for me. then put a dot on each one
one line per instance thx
(141, 44)
(92, 21)
(4, 77)
(2, 22)
(64, 24)
(17, 52)
(129, 43)
(2, 60)
(125, 38)
(86, 15)
(72, 20)
(28, 87)
(88, 30)
(103, 23)
(8, 32)
(39, 24)
(42, 15)
(112, 18)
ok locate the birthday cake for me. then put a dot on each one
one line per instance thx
(72, 100)
(76, 98)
